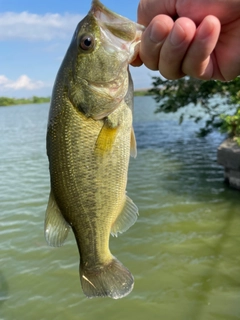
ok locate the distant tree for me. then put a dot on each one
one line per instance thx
(172, 95)
(6, 101)
(35, 99)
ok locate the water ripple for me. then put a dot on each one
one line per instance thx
(183, 250)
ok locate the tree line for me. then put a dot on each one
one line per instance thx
(6, 101)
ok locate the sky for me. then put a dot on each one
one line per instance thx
(34, 37)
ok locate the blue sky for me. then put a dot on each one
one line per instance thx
(34, 36)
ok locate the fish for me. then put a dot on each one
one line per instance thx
(90, 138)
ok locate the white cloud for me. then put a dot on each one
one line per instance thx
(37, 27)
(23, 82)
(3, 80)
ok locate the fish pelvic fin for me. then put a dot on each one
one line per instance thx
(126, 218)
(133, 149)
(111, 280)
(56, 228)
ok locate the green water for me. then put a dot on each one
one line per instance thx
(184, 250)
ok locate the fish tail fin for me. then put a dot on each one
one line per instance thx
(111, 280)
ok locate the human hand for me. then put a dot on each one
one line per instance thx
(199, 38)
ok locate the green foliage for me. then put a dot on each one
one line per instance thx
(142, 93)
(6, 101)
(40, 99)
(172, 95)
(231, 125)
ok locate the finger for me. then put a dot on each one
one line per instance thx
(198, 62)
(227, 52)
(137, 62)
(175, 47)
(152, 40)
(148, 9)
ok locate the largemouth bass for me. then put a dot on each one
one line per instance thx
(89, 141)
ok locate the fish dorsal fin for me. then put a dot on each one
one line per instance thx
(133, 148)
(106, 139)
(56, 227)
(126, 219)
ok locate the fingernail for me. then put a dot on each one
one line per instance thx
(177, 35)
(155, 34)
(205, 29)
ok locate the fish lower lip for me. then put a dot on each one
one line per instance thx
(111, 87)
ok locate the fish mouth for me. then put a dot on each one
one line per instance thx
(119, 39)
(112, 93)
(119, 34)
(114, 90)
(112, 86)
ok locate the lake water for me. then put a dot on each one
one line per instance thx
(184, 250)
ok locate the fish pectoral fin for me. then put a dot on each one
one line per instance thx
(126, 218)
(56, 227)
(106, 139)
(133, 148)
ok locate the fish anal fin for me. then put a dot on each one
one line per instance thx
(106, 139)
(109, 280)
(133, 148)
(126, 218)
(56, 227)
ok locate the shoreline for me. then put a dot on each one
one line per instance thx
(7, 102)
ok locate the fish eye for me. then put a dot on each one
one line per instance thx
(86, 42)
